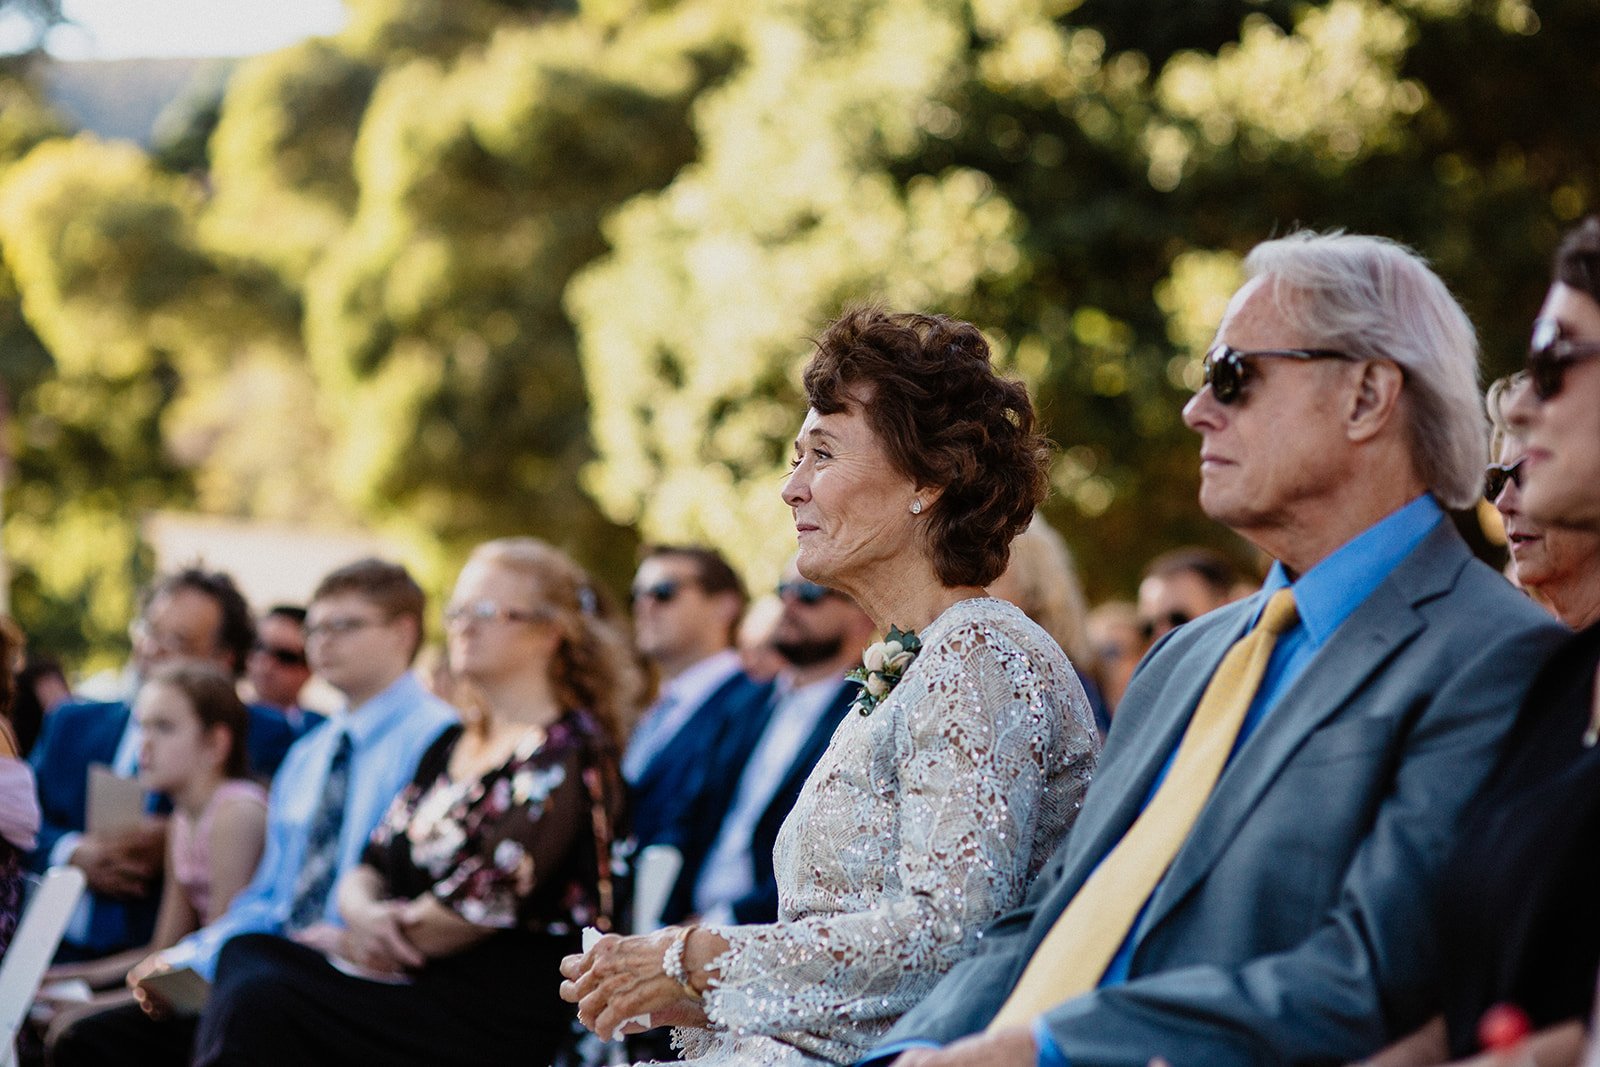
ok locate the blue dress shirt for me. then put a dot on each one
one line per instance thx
(1325, 596)
(388, 736)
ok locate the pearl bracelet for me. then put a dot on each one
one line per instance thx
(672, 962)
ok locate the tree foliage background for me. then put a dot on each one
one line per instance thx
(480, 267)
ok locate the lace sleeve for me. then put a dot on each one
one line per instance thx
(964, 760)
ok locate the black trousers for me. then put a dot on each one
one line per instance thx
(278, 1002)
(120, 1035)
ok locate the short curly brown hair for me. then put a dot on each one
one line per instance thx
(947, 420)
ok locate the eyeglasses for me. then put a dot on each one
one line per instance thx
(1495, 477)
(487, 611)
(165, 641)
(1148, 628)
(1550, 354)
(662, 592)
(805, 592)
(1227, 369)
(286, 657)
(340, 627)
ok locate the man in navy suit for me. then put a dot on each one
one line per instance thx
(755, 774)
(192, 615)
(686, 604)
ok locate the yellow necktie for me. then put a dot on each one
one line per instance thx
(1075, 953)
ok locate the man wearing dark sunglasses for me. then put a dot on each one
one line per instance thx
(1182, 585)
(686, 606)
(1250, 878)
(759, 764)
(277, 668)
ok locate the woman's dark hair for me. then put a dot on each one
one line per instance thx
(214, 699)
(947, 420)
(1578, 258)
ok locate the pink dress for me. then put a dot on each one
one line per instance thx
(191, 842)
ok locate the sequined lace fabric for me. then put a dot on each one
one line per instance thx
(921, 823)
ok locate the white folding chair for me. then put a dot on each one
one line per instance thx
(655, 872)
(32, 947)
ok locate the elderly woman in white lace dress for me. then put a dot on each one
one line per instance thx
(935, 806)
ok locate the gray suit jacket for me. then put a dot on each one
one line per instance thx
(1293, 926)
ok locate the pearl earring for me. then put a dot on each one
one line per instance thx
(916, 506)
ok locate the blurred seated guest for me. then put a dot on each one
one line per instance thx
(1182, 585)
(686, 606)
(41, 689)
(1519, 926)
(1042, 580)
(1560, 568)
(1118, 645)
(760, 661)
(755, 773)
(970, 744)
(19, 809)
(485, 869)
(191, 615)
(192, 749)
(362, 628)
(277, 668)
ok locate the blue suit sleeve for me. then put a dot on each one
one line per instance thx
(887, 1055)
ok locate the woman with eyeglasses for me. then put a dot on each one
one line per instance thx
(1519, 925)
(490, 863)
(945, 791)
(1559, 567)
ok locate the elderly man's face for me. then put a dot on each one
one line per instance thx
(1270, 458)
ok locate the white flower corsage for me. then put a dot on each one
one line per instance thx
(882, 666)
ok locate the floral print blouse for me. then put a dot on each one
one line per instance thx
(520, 847)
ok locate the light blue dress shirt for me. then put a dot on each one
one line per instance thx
(1325, 596)
(388, 736)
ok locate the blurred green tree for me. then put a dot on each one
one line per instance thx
(1119, 157)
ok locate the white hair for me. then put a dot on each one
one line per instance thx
(1376, 299)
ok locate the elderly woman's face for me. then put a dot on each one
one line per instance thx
(1561, 478)
(1541, 556)
(852, 508)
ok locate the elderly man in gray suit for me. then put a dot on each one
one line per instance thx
(1249, 880)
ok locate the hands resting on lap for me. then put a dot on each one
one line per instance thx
(621, 978)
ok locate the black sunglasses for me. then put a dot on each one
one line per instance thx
(287, 657)
(662, 592)
(1495, 477)
(1227, 369)
(806, 592)
(1550, 354)
(1173, 619)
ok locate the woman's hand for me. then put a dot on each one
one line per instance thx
(621, 978)
(375, 938)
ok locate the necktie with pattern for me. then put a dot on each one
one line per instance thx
(321, 863)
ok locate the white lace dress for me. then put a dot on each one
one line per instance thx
(921, 823)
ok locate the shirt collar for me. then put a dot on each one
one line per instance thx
(1327, 594)
(695, 685)
(369, 722)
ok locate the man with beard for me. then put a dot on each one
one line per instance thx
(762, 760)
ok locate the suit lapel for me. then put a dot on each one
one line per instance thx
(1369, 638)
(817, 743)
(1123, 779)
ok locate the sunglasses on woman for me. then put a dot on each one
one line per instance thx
(1550, 354)
(1495, 477)
(1227, 369)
